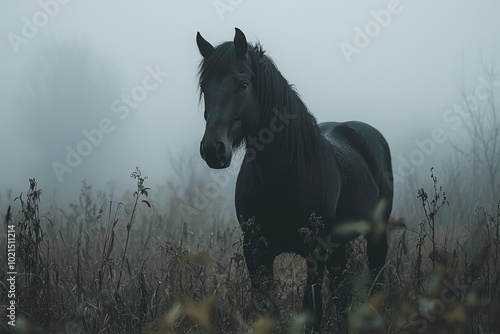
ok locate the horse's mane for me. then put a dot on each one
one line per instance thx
(301, 139)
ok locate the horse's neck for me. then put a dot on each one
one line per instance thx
(290, 154)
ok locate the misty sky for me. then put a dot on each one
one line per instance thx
(69, 76)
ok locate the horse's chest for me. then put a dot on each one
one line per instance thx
(278, 204)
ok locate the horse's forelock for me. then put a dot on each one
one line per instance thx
(218, 64)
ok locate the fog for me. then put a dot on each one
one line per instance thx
(68, 66)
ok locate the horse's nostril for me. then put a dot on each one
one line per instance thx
(220, 150)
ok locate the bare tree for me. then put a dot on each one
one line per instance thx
(66, 87)
(482, 125)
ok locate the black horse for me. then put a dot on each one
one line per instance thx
(299, 181)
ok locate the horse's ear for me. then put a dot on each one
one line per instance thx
(240, 42)
(205, 47)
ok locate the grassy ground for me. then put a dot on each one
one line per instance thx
(125, 267)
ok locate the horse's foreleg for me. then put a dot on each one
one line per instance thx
(259, 261)
(339, 288)
(313, 303)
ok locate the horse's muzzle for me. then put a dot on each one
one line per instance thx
(216, 154)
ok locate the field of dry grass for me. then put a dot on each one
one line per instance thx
(104, 266)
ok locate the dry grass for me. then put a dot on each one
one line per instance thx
(119, 267)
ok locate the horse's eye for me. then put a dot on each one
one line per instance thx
(243, 85)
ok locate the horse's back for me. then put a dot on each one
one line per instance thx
(362, 137)
(360, 148)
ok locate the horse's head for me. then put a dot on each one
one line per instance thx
(231, 107)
